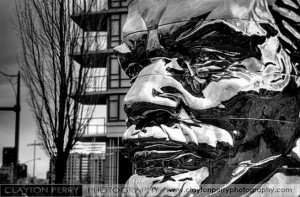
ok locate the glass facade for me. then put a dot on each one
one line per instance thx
(117, 77)
(116, 24)
(115, 108)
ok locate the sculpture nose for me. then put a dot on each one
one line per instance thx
(154, 90)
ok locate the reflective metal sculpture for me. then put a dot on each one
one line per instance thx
(214, 96)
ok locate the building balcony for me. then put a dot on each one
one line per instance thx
(95, 130)
(96, 90)
(94, 86)
(112, 4)
(87, 149)
(96, 83)
(91, 50)
(99, 97)
(91, 15)
(96, 127)
(92, 42)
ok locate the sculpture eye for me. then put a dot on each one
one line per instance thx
(220, 42)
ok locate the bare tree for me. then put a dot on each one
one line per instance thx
(48, 39)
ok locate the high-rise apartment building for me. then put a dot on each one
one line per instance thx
(104, 20)
(82, 169)
(85, 169)
(72, 174)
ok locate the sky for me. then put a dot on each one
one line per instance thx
(9, 49)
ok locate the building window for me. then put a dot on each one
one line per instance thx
(115, 108)
(116, 24)
(118, 3)
(117, 76)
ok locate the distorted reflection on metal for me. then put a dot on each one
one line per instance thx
(214, 95)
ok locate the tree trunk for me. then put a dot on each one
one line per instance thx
(60, 169)
(48, 37)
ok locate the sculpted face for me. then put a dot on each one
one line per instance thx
(214, 96)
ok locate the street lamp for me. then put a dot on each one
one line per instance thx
(34, 150)
(17, 109)
(31, 160)
(33, 167)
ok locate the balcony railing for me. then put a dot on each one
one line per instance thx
(91, 43)
(96, 126)
(96, 6)
(117, 3)
(97, 83)
(89, 6)
(94, 83)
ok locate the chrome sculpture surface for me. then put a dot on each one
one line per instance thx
(214, 96)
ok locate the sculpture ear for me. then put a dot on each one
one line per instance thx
(287, 17)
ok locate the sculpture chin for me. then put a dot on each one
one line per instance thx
(155, 152)
(185, 156)
(168, 163)
(139, 185)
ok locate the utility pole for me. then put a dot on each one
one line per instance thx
(16, 109)
(17, 129)
(34, 153)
